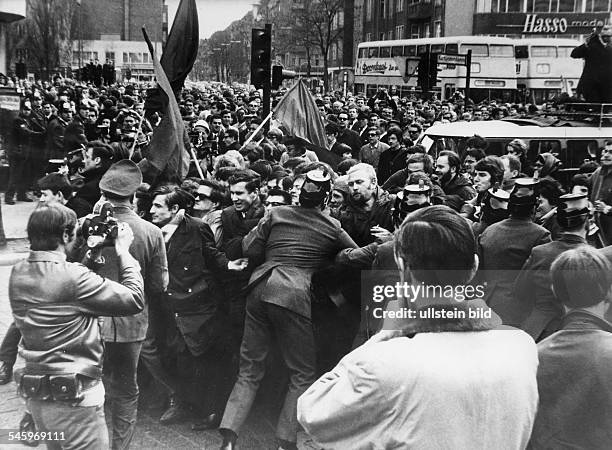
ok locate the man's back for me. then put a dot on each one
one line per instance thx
(459, 390)
(149, 250)
(575, 386)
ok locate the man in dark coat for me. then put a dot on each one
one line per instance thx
(193, 297)
(56, 131)
(456, 187)
(348, 136)
(533, 284)
(392, 159)
(19, 155)
(594, 84)
(574, 383)
(503, 249)
(291, 242)
(97, 158)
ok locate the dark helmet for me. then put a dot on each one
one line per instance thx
(402, 207)
(495, 205)
(316, 188)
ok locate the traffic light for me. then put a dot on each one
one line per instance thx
(261, 48)
(433, 70)
(423, 72)
(279, 74)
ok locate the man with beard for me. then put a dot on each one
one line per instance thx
(533, 284)
(601, 194)
(291, 243)
(194, 299)
(457, 189)
(367, 214)
(505, 246)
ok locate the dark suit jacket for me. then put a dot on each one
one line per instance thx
(503, 249)
(293, 242)
(193, 293)
(575, 386)
(533, 283)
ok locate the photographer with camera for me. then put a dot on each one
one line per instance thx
(56, 305)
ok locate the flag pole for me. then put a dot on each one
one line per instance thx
(197, 163)
(261, 125)
(138, 132)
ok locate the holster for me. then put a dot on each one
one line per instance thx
(61, 388)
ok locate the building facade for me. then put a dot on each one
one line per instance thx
(111, 31)
(10, 11)
(410, 19)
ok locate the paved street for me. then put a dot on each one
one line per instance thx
(258, 434)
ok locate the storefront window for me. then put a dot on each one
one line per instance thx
(514, 5)
(483, 6)
(567, 6)
(600, 5)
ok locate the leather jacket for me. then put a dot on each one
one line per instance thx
(56, 305)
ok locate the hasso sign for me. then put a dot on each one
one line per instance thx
(552, 23)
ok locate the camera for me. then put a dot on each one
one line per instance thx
(100, 229)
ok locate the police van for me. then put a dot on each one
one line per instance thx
(572, 136)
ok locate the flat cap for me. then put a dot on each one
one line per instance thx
(121, 179)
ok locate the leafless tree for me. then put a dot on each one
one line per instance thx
(47, 39)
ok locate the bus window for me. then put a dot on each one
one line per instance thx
(385, 52)
(410, 50)
(541, 51)
(503, 51)
(452, 49)
(537, 147)
(477, 49)
(397, 51)
(521, 52)
(422, 49)
(373, 52)
(359, 88)
(577, 152)
(363, 52)
(564, 52)
(437, 48)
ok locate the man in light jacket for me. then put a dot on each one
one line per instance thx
(460, 382)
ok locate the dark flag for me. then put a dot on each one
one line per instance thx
(179, 53)
(298, 113)
(166, 152)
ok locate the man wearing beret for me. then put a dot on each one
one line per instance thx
(124, 336)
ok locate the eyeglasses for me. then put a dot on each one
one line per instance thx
(372, 134)
(343, 118)
(273, 136)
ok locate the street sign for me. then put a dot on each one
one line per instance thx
(445, 58)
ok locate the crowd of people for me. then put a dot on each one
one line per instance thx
(261, 251)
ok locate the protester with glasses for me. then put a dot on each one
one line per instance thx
(370, 153)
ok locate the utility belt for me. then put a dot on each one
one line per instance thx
(59, 388)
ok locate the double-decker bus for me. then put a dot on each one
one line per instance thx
(493, 68)
(544, 68)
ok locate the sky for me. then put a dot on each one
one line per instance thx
(214, 15)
